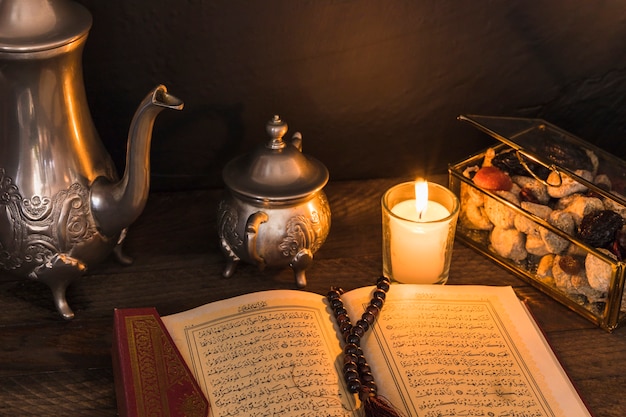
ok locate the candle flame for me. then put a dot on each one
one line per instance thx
(421, 196)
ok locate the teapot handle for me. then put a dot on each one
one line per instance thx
(252, 229)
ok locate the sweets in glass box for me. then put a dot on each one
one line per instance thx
(551, 208)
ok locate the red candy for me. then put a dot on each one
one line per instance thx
(493, 178)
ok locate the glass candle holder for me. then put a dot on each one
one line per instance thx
(418, 239)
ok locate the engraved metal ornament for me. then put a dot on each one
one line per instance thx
(275, 237)
(39, 228)
(278, 216)
(62, 205)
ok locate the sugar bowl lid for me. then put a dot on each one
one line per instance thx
(278, 170)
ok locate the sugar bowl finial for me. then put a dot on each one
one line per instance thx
(276, 129)
(274, 212)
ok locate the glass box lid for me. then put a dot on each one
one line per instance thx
(541, 147)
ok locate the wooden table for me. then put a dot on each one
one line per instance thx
(52, 367)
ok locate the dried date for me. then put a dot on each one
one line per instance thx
(526, 194)
(599, 229)
(618, 247)
(508, 162)
(570, 265)
(565, 155)
(556, 150)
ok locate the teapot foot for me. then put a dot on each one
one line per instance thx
(58, 273)
(60, 301)
(118, 250)
(299, 263)
(121, 257)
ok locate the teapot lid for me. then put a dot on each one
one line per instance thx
(39, 25)
(276, 171)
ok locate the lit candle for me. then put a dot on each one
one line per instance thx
(418, 238)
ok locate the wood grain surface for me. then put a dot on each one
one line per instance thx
(52, 367)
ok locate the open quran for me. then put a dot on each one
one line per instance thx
(434, 351)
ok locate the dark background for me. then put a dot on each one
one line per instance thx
(374, 86)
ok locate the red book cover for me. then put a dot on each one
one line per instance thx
(151, 377)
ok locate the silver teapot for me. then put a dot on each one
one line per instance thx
(62, 205)
(274, 212)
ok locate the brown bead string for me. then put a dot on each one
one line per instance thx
(356, 370)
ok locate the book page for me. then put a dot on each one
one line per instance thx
(271, 353)
(444, 350)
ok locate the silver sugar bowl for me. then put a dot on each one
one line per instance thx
(274, 212)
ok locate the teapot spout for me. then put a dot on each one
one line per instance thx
(115, 205)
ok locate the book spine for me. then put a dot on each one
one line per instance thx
(151, 377)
